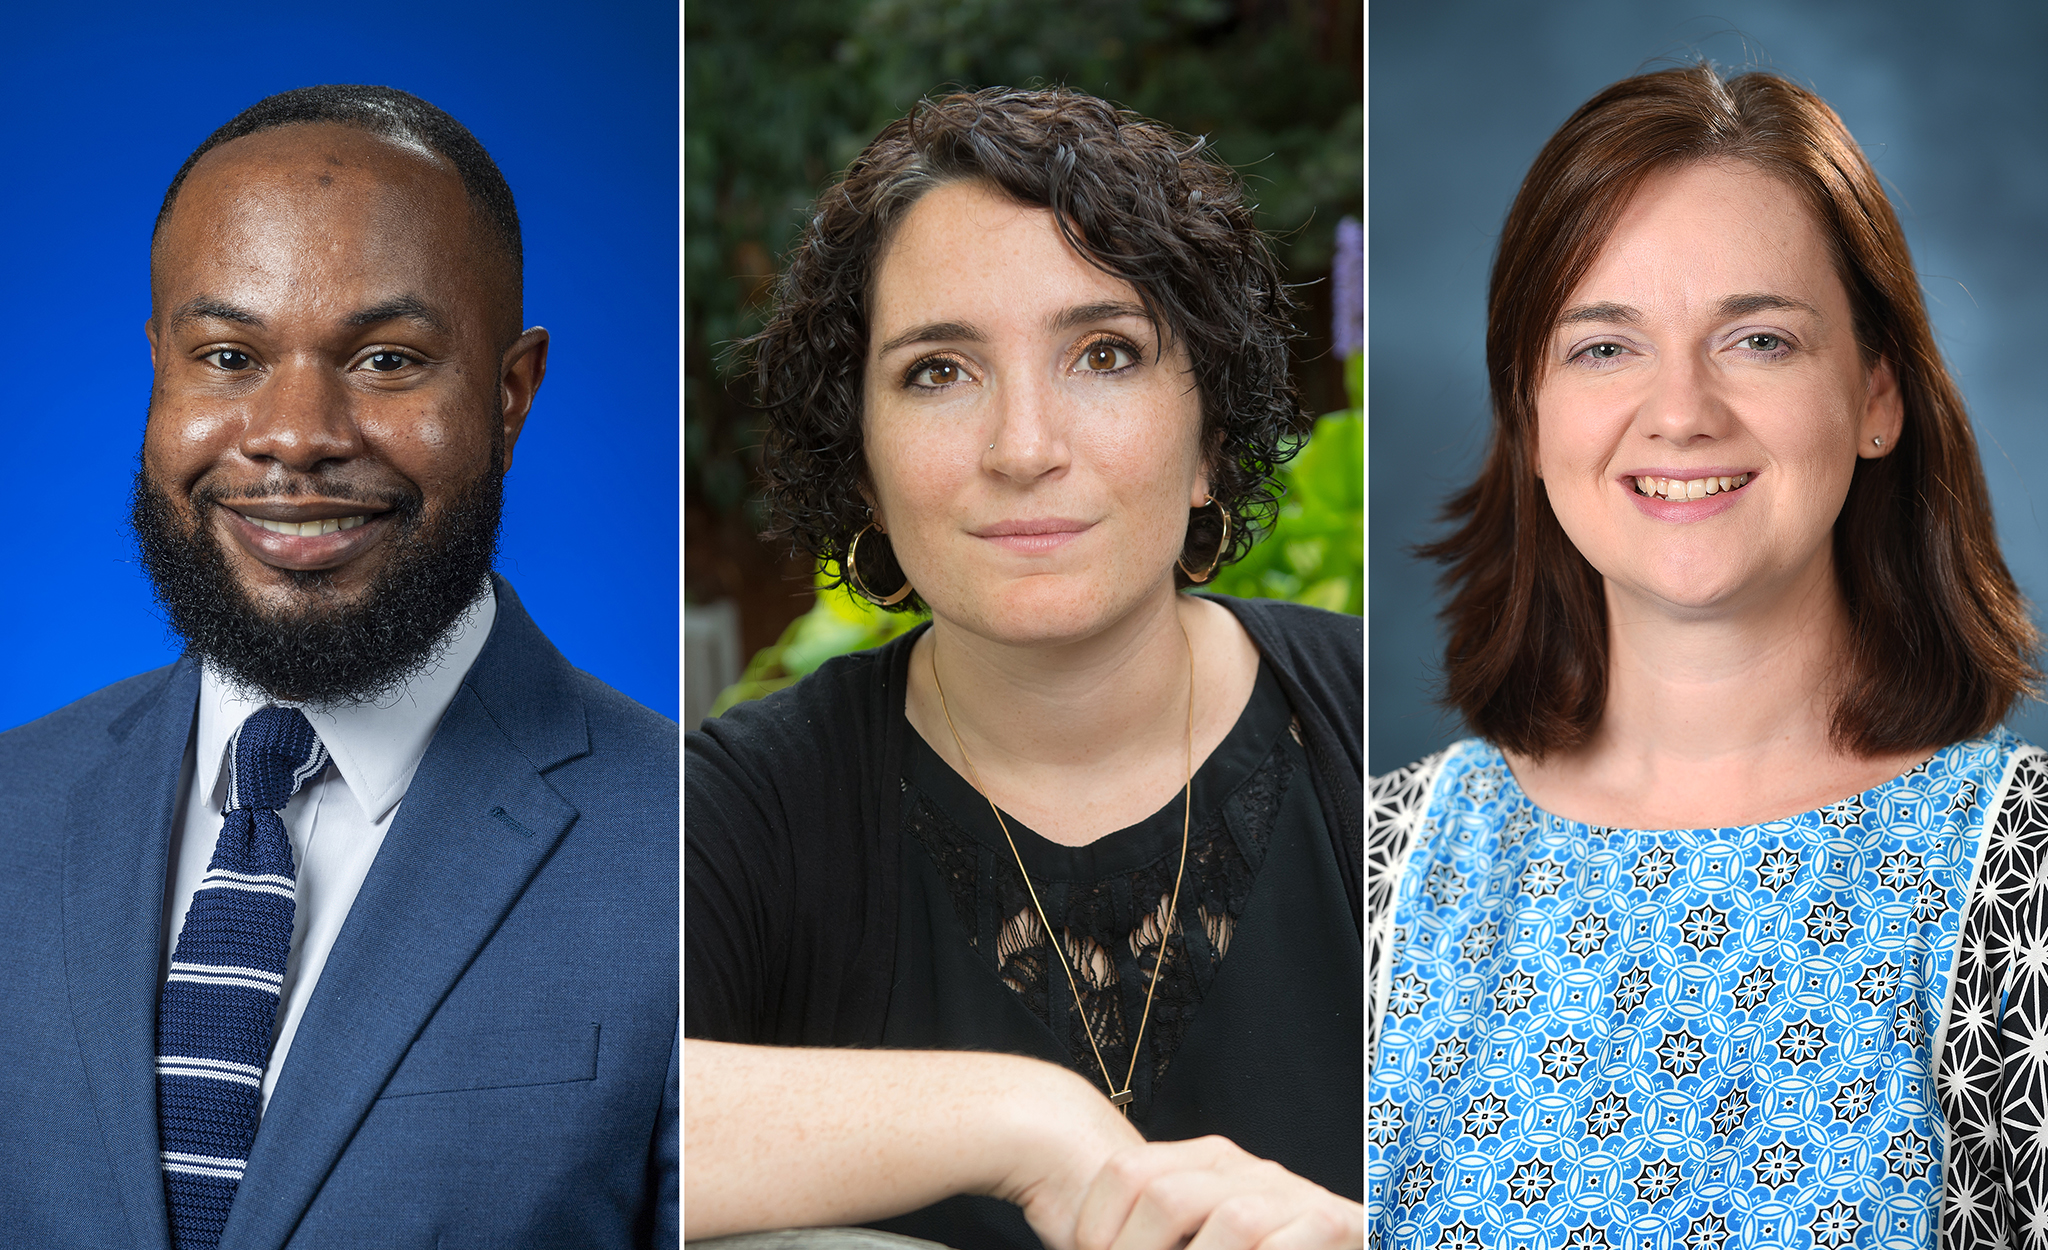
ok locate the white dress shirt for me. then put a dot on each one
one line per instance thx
(336, 822)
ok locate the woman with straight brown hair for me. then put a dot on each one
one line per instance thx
(1726, 930)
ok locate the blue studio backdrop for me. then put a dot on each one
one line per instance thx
(1951, 107)
(577, 105)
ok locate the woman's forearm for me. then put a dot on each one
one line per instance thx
(779, 1137)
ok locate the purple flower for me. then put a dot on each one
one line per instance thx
(1347, 289)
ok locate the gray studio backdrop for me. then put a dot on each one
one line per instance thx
(1950, 103)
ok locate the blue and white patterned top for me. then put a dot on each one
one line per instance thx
(1684, 1039)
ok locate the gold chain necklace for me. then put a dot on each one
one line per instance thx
(1120, 1099)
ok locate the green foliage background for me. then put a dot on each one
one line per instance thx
(1315, 553)
(779, 95)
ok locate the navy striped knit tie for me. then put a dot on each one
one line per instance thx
(214, 1020)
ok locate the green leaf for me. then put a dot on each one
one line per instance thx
(1315, 552)
(839, 623)
(1305, 557)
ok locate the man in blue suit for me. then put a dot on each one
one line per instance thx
(356, 926)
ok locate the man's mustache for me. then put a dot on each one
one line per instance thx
(402, 500)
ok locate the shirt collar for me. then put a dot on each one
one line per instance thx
(376, 747)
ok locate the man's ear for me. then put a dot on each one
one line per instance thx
(149, 332)
(519, 379)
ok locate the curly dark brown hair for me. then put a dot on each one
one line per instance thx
(1137, 199)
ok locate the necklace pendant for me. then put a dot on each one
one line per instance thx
(1122, 1101)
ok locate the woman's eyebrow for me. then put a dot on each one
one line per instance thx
(1599, 312)
(934, 332)
(1065, 319)
(1764, 301)
(1732, 306)
(1105, 310)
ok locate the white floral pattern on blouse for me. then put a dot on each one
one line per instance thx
(1698, 1039)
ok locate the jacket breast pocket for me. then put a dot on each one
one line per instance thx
(488, 1055)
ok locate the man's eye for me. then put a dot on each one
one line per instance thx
(229, 359)
(386, 362)
(1762, 342)
(1106, 357)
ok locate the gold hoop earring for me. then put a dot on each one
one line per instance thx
(860, 587)
(1222, 545)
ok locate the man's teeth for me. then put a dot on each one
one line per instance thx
(308, 529)
(1688, 487)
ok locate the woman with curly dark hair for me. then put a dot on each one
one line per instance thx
(973, 916)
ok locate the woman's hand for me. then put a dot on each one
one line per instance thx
(1206, 1194)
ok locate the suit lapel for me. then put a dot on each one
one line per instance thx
(116, 851)
(476, 823)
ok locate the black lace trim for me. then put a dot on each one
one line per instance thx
(1110, 927)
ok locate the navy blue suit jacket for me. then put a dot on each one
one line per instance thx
(489, 1058)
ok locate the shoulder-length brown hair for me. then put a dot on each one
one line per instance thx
(1941, 643)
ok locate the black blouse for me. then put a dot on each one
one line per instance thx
(792, 823)
(800, 887)
(1254, 1031)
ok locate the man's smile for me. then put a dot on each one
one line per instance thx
(304, 535)
(308, 528)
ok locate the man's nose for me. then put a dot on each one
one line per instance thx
(301, 418)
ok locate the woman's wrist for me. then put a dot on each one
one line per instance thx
(1055, 1132)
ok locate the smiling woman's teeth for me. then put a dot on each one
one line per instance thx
(308, 529)
(1688, 488)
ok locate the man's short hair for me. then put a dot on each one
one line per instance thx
(391, 113)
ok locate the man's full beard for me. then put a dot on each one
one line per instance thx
(328, 652)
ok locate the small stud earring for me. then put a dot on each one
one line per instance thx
(1877, 442)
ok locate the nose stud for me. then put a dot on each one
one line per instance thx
(991, 446)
